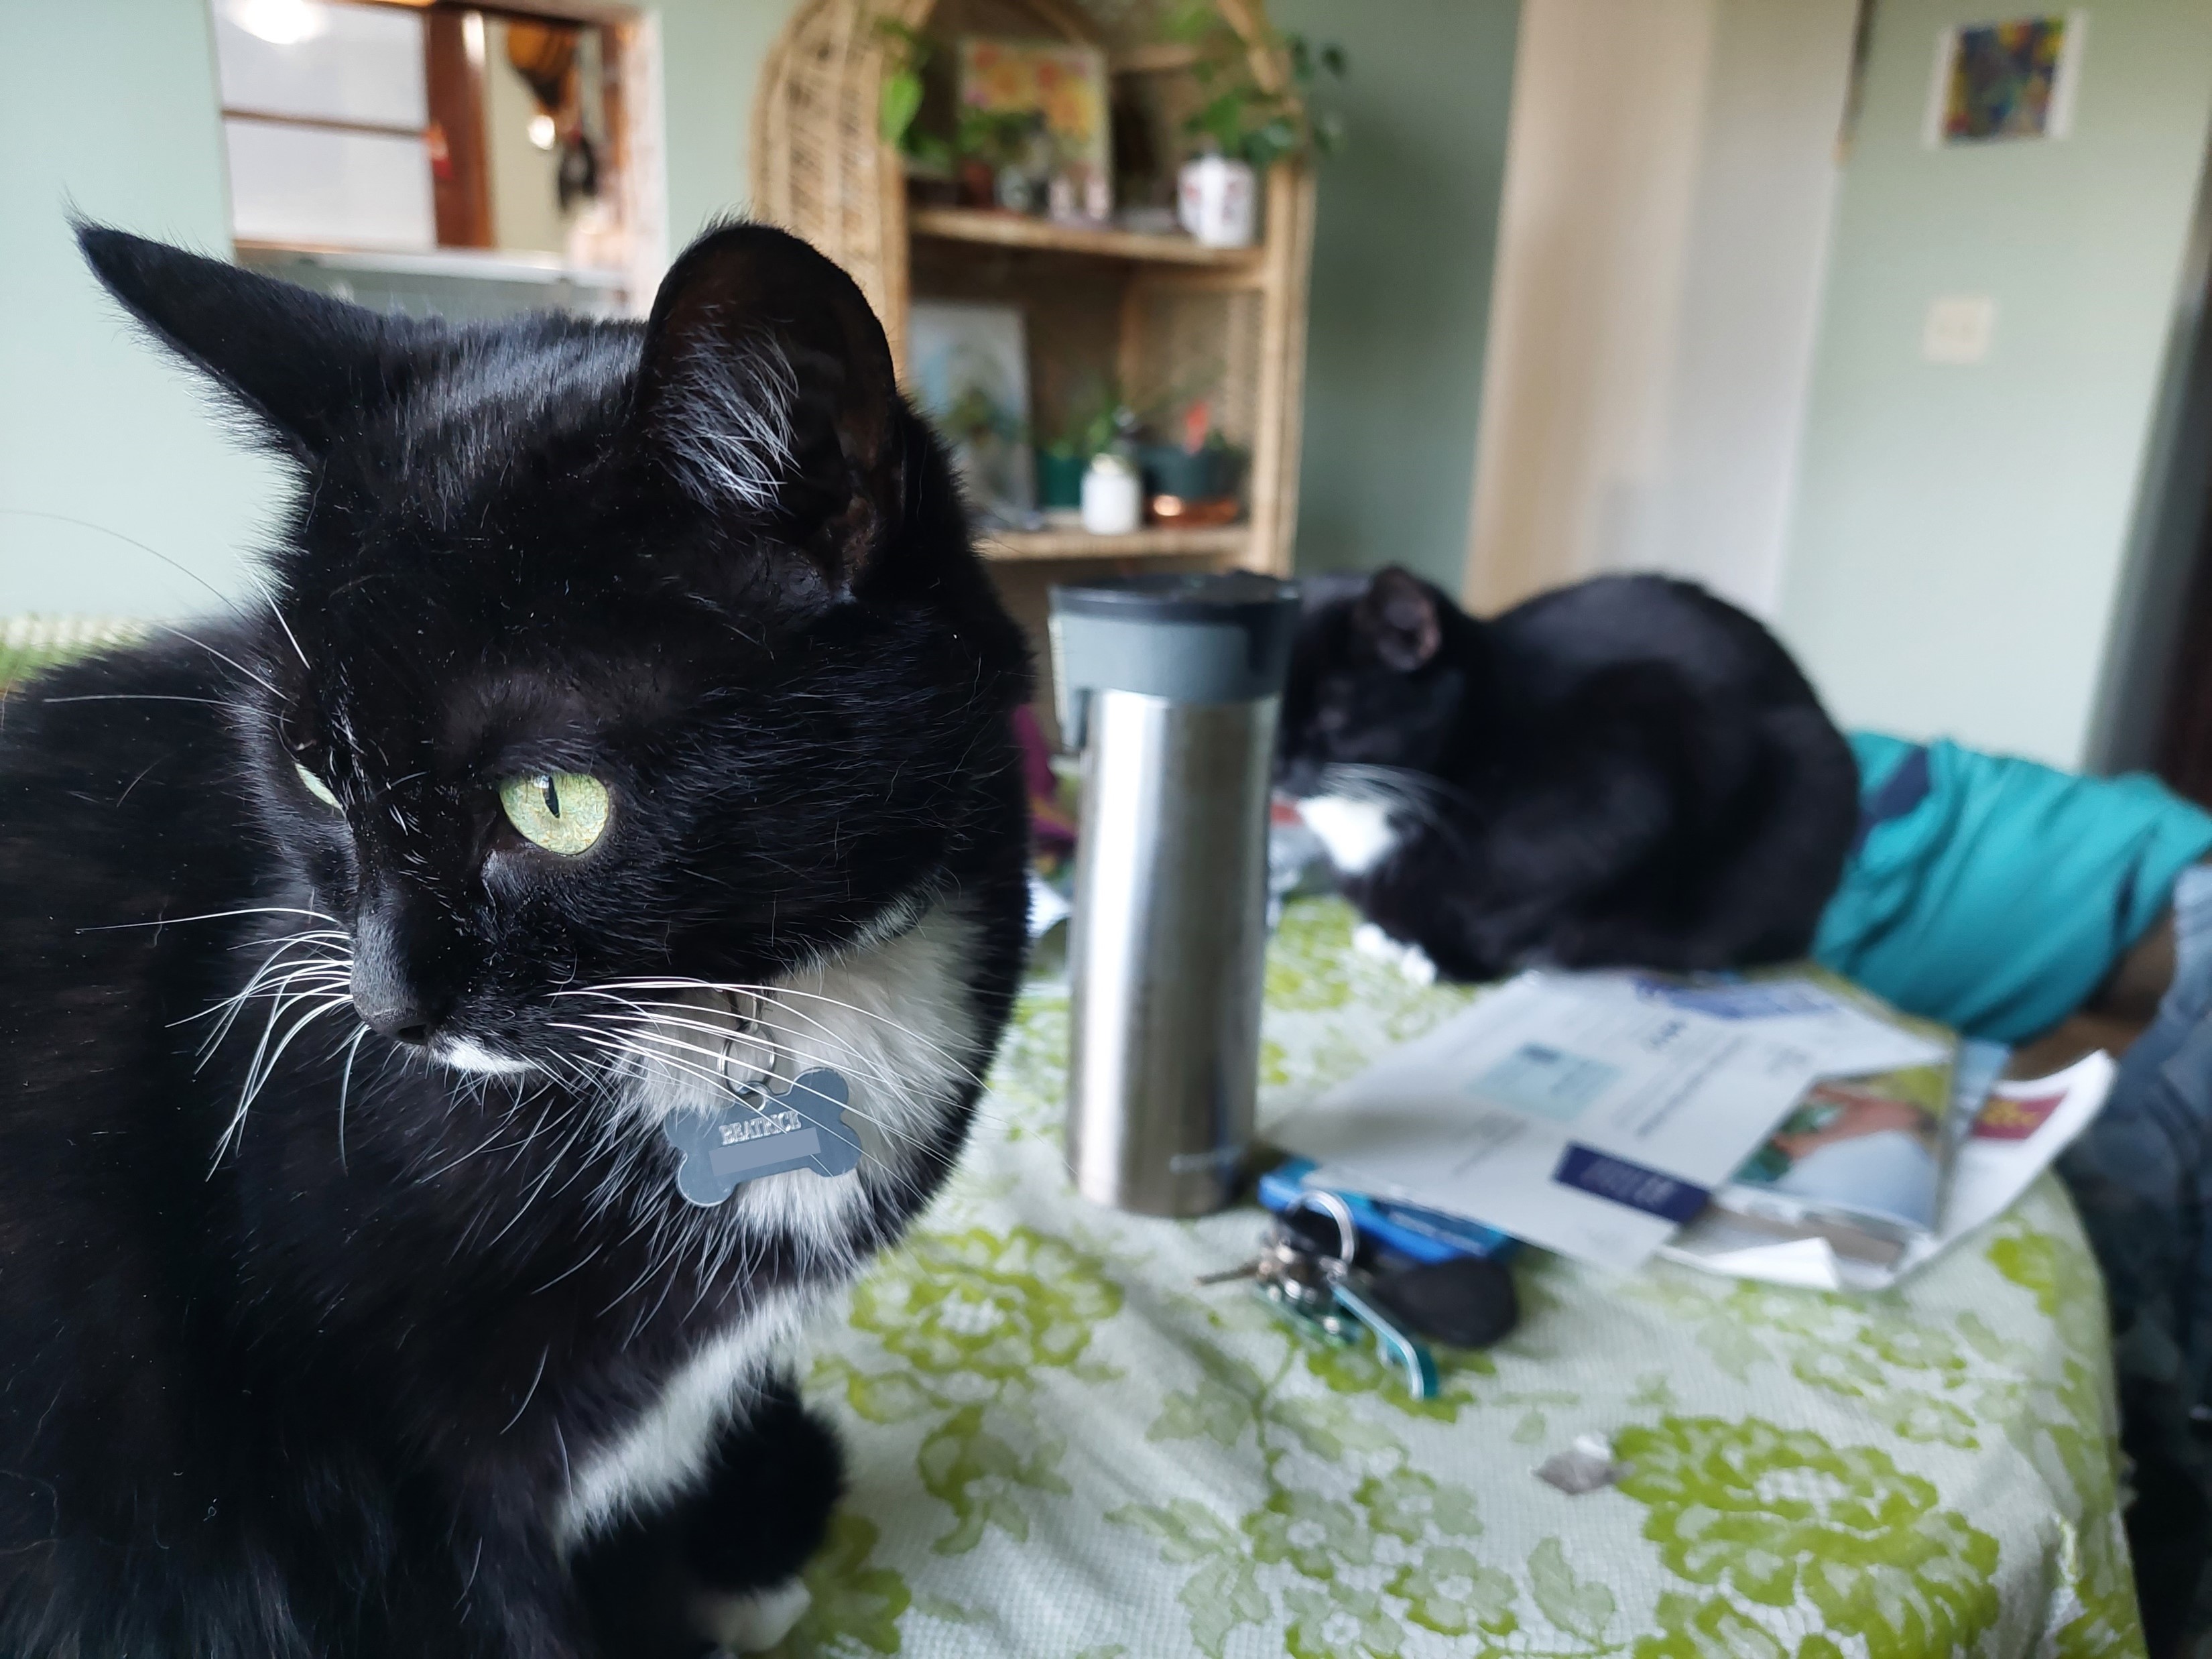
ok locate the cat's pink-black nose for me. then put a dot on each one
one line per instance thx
(388, 989)
(391, 1010)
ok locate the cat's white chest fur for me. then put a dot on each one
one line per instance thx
(665, 1449)
(898, 1018)
(1357, 833)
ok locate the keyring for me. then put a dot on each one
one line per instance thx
(1328, 1204)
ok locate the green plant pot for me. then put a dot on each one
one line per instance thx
(1198, 474)
(1060, 478)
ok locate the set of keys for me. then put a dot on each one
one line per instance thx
(1328, 1294)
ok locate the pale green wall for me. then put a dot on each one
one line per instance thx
(1402, 257)
(110, 105)
(711, 53)
(1960, 535)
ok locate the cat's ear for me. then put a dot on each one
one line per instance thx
(767, 389)
(1399, 614)
(308, 368)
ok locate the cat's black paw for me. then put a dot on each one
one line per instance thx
(763, 1507)
(719, 1566)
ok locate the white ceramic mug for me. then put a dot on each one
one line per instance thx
(1218, 201)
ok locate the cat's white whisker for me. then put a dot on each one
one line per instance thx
(645, 1020)
(273, 978)
(277, 612)
(345, 1083)
(264, 1061)
(216, 915)
(847, 1058)
(222, 657)
(775, 991)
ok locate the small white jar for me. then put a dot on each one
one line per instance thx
(1113, 495)
(1217, 200)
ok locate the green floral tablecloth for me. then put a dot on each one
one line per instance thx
(1060, 1449)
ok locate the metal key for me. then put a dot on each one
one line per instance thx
(1289, 1272)
(1273, 1247)
(1230, 1275)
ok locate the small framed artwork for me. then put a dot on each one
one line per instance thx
(970, 375)
(2015, 79)
(1054, 90)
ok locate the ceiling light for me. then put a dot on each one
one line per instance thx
(280, 23)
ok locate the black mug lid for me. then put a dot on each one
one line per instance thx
(1233, 597)
(1213, 638)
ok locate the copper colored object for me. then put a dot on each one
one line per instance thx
(1189, 514)
(460, 167)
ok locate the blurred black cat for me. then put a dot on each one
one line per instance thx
(629, 724)
(1627, 772)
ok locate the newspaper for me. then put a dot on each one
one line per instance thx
(1590, 1113)
(1863, 1162)
(2017, 1135)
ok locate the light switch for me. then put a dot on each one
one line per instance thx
(1959, 328)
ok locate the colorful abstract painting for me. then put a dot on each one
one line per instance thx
(1062, 83)
(2009, 80)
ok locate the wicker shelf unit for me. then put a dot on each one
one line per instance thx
(1159, 315)
(1017, 230)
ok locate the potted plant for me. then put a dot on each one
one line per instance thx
(1095, 418)
(1197, 481)
(1241, 127)
(930, 159)
(992, 156)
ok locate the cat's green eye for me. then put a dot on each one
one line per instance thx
(315, 787)
(561, 812)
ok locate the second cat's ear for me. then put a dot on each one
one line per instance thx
(767, 390)
(1399, 614)
(309, 368)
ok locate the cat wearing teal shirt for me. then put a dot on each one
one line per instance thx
(1994, 893)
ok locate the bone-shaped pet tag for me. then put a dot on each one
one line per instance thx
(762, 1134)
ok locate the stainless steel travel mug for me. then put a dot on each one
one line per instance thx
(1170, 687)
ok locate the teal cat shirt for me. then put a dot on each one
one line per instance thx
(1995, 894)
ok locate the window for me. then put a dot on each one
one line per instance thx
(386, 151)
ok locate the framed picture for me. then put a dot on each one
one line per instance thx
(2011, 80)
(1057, 89)
(970, 375)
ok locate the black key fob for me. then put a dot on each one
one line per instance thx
(1466, 1302)
(1309, 1230)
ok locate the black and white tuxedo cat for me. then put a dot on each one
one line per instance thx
(627, 720)
(1627, 772)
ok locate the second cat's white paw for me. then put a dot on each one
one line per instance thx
(1410, 960)
(753, 1624)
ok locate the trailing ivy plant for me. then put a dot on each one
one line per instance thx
(997, 137)
(907, 52)
(1242, 118)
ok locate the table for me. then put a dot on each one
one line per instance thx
(1060, 1447)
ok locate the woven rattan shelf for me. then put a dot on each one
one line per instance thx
(1153, 313)
(1018, 230)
